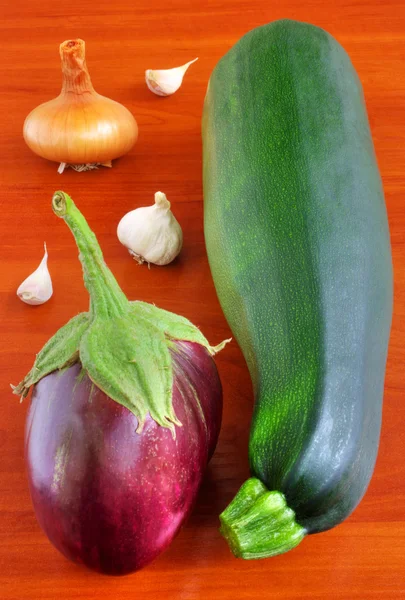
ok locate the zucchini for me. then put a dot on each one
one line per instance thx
(298, 244)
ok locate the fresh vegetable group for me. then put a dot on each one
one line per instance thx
(124, 417)
(298, 244)
(127, 402)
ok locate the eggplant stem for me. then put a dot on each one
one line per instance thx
(107, 298)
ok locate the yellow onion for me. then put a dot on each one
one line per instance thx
(80, 126)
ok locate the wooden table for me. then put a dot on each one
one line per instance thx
(364, 558)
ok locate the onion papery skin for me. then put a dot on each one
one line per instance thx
(79, 126)
(93, 129)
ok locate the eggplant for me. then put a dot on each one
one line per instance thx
(104, 495)
(124, 417)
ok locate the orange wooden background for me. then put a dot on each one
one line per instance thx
(364, 558)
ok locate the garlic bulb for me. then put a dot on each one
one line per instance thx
(79, 127)
(165, 82)
(37, 288)
(151, 233)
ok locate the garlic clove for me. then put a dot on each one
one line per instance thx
(37, 288)
(164, 82)
(151, 233)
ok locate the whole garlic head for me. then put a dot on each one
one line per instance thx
(151, 233)
(37, 288)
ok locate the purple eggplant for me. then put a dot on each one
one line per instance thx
(124, 417)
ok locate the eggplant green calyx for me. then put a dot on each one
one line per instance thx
(258, 523)
(123, 346)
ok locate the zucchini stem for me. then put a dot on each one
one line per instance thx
(259, 524)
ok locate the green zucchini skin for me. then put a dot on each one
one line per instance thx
(298, 245)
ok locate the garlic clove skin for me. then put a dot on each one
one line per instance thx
(151, 233)
(164, 82)
(37, 288)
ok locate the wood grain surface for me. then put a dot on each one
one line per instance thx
(364, 558)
